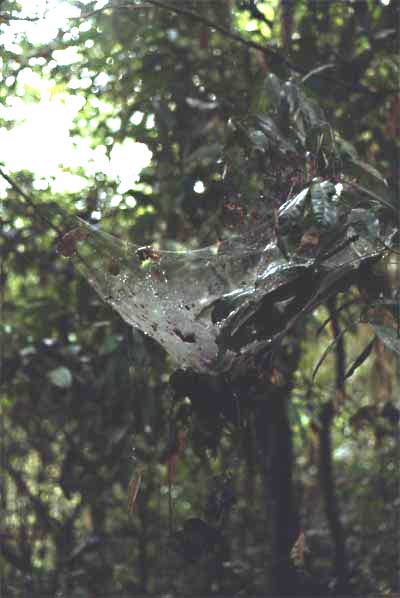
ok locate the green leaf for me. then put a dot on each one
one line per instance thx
(346, 149)
(370, 170)
(365, 223)
(360, 359)
(291, 212)
(110, 344)
(60, 377)
(328, 350)
(270, 129)
(317, 71)
(205, 155)
(377, 198)
(259, 139)
(324, 210)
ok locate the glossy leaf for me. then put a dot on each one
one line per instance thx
(360, 359)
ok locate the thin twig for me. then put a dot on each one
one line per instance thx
(338, 310)
(340, 350)
(334, 343)
(6, 18)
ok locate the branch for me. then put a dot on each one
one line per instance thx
(6, 18)
(340, 350)
(29, 200)
(268, 51)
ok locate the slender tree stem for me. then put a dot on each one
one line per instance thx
(326, 469)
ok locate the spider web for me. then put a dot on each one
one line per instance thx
(169, 295)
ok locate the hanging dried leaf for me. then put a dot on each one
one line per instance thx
(204, 38)
(261, 62)
(113, 267)
(309, 242)
(297, 554)
(365, 416)
(171, 468)
(384, 371)
(67, 244)
(340, 397)
(133, 491)
(182, 440)
(392, 125)
(170, 458)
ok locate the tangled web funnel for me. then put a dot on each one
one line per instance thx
(170, 295)
(188, 300)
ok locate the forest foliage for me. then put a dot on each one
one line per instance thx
(275, 472)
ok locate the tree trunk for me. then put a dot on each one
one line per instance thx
(275, 441)
(330, 499)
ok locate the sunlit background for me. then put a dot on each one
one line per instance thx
(40, 139)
